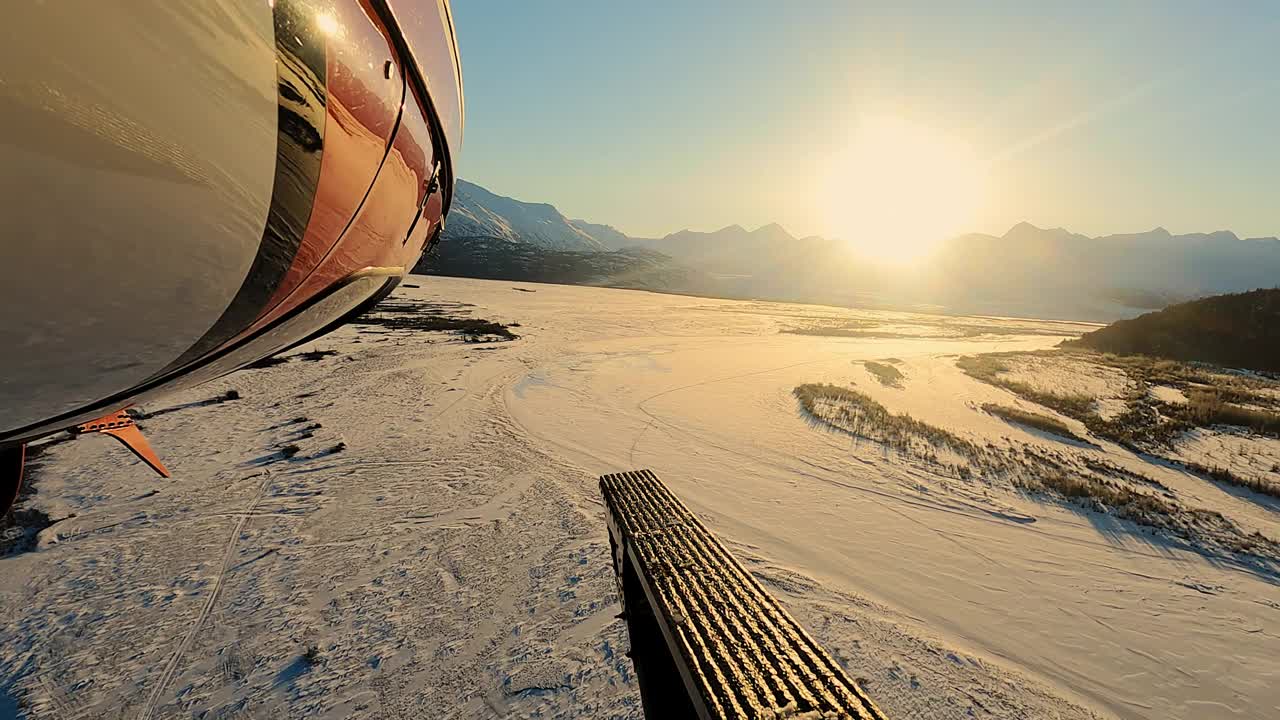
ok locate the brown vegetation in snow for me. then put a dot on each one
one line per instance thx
(888, 375)
(1081, 481)
(1038, 421)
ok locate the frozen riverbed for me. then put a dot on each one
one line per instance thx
(450, 559)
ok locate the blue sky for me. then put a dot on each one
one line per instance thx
(656, 116)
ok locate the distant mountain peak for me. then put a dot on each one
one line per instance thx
(1022, 228)
(1026, 232)
(773, 230)
(480, 212)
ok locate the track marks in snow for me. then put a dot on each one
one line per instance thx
(448, 564)
(908, 675)
(166, 676)
(654, 419)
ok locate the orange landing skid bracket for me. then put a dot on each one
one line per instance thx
(121, 427)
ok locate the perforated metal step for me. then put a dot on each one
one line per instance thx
(735, 650)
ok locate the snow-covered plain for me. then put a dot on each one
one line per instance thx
(451, 560)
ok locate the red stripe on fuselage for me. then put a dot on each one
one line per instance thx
(379, 235)
(369, 195)
(364, 105)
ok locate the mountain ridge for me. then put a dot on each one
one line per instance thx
(479, 212)
(1028, 270)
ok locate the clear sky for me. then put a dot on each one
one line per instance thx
(1099, 117)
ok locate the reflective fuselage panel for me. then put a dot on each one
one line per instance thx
(137, 160)
(365, 93)
(428, 31)
(188, 187)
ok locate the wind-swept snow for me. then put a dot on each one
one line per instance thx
(434, 546)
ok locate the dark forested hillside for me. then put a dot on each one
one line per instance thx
(1241, 330)
(500, 259)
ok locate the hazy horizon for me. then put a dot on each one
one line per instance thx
(838, 121)
(708, 229)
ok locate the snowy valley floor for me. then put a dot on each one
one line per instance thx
(408, 525)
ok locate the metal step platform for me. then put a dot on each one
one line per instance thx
(707, 640)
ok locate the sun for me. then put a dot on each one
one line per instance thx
(899, 189)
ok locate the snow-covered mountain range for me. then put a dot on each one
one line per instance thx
(477, 212)
(1026, 271)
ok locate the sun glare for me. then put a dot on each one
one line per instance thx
(328, 24)
(899, 189)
